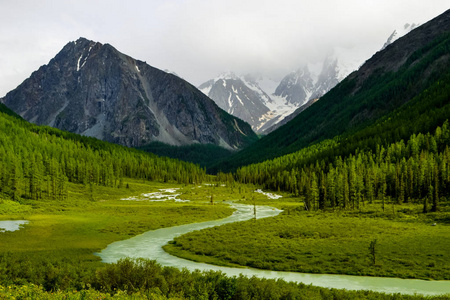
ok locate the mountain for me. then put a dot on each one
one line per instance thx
(303, 86)
(394, 79)
(272, 127)
(264, 103)
(396, 34)
(314, 80)
(296, 87)
(94, 90)
(240, 97)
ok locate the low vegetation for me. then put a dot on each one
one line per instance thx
(393, 243)
(145, 279)
(53, 256)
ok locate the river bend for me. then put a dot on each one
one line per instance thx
(149, 245)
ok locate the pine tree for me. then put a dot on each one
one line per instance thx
(435, 205)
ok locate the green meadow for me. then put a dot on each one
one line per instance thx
(52, 257)
(69, 232)
(400, 241)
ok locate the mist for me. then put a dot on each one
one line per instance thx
(200, 39)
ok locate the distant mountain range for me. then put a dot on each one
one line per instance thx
(396, 78)
(94, 90)
(264, 107)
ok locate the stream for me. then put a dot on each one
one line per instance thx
(149, 245)
(12, 225)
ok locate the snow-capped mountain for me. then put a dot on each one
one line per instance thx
(240, 96)
(264, 103)
(312, 81)
(297, 87)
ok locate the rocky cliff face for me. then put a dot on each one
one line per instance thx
(240, 97)
(93, 89)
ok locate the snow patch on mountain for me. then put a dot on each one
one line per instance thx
(240, 96)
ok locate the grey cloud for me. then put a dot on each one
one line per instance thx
(200, 39)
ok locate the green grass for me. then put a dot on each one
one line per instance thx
(75, 228)
(407, 245)
(55, 250)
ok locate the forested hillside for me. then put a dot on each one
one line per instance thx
(402, 156)
(35, 160)
(205, 155)
(4, 109)
(415, 170)
(409, 67)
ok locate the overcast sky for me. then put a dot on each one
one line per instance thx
(199, 39)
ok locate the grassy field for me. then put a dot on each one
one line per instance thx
(69, 232)
(406, 243)
(93, 217)
(52, 257)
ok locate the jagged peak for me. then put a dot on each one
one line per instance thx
(83, 42)
(228, 75)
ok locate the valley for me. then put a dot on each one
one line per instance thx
(122, 181)
(63, 239)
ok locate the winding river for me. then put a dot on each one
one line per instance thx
(149, 245)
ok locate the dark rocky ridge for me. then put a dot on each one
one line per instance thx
(93, 89)
(395, 55)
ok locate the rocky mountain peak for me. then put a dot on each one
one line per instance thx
(296, 87)
(238, 96)
(92, 89)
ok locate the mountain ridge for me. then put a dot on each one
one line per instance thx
(93, 89)
(239, 97)
(388, 80)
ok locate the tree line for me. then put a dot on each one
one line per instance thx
(411, 171)
(38, 160)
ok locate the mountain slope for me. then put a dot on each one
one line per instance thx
(290, 117)
(387, 81)
(296, 87)
(37, 160)
(396, 34)
(312, 81)
(93, 89)
(239, 97)
(4, 109)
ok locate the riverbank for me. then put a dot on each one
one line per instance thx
(406, 245)
(56, 249)
(149, 246)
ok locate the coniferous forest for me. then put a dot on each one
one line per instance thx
(41, 160)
